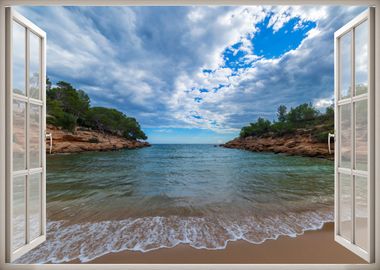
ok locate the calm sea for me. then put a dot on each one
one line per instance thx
(165, 195)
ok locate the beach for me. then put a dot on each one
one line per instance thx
(188, 204)
(312, 247)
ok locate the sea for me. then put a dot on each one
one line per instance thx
(203, 196)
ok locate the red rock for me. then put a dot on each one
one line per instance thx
(83, 140)
(301, 143)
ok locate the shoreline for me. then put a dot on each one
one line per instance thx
(298, 144)
(314, 246)
(87, 140)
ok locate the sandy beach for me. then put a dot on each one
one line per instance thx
(312, 247)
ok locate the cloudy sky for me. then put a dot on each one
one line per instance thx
(194, 74)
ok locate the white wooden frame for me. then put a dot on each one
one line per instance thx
(12, 15)
(376, 100)
(367, 15)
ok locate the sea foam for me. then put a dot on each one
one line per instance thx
(87, 241)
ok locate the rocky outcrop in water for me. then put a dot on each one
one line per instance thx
(84, 139)
(301, 143)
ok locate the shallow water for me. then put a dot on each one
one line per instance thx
(165, 195)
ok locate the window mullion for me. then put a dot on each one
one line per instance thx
(27, 227)
(352, 137)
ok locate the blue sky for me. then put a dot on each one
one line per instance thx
(194, 74)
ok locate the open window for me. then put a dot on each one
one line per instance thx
(26, 226)
(354, 135)
(354, 127)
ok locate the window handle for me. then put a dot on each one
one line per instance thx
(329, 141)
(50, 137)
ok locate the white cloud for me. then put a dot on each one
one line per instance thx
(149, 61)
(323, 103)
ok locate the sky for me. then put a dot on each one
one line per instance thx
(194, 74)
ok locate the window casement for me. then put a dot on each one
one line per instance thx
(354, 128)
(26, 166)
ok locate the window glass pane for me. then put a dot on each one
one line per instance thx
(35, 136)
(361, 58)
(18, 219)
(18, 58)
(345, 206)
(345, 65)
(345, 136)
(35, 205)
(361, 135)
(361, 212)
(34, 71)
(19, 146)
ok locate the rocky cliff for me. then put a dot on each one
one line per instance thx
(88, 140)
(300, 143)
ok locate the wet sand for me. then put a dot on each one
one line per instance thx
(312, 247)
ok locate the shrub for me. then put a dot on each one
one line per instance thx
(260, 127)
(67, 122)
(282, 128)
(321, 136)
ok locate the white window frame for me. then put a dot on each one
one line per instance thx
(13, 16)
(367, 15)
(6, 3)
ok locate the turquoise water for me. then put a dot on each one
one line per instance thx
(165, 195)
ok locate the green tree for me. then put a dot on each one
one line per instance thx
(302, 113)
(115, 122)
(75, 102)
(330, 112)
(258, 128)
(57, 117)
(68, 107)
(282, 128)
(281, 113)
(48, 84)
(303, 116)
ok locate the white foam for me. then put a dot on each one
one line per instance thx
(88, 241)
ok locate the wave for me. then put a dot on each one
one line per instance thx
(88, 241)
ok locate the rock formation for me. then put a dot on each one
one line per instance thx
(84, 139)
(300, 143)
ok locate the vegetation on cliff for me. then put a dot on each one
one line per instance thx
(304, 116)
(68, 107)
